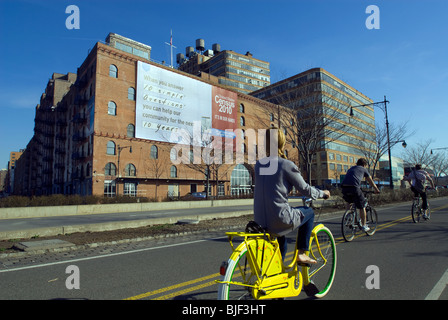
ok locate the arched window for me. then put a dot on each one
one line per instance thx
(131, 131)
(131, 94)
(113, 71)
(173, 172)
(112, 108)
(241, 108)
(154, 154)
(240, 180)
(242, 121)
(110, 169)
(129, 171)
(110, 148)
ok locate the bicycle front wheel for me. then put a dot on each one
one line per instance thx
(348, 225)
(323, 250)
(371, 219)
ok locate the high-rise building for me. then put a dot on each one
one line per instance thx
(241, 72)
(320, 123)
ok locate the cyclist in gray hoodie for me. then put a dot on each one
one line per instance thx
(275, 176)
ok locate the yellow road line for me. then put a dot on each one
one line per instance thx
(216, 275)
(179, 285)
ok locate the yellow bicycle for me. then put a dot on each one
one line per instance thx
(256, 270)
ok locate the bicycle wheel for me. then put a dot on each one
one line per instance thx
(371, 219)
(416, 212)
(348, 225)
(239, 272)
(428, 212)
(323, 250)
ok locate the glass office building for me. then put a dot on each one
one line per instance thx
(342, 142)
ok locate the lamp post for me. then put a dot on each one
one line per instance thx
(119, 152)
(378, 104)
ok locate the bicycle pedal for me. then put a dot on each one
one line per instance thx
(311, 289)
(303, 264)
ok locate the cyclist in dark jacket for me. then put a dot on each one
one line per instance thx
(351, 189)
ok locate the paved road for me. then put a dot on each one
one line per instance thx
(411, 260)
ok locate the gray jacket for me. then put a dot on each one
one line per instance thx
(271, 208)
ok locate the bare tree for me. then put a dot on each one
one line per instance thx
(439, 165)
(419, 153)
(374, 150)
(311, 120)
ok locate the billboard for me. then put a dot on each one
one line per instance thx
(168, 103)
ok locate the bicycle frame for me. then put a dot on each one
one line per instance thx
(273, 278)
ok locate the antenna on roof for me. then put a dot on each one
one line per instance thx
(171, 48)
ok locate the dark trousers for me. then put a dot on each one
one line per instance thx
(423, 195)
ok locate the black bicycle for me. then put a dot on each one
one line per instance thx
(417, 211)
(351, 220)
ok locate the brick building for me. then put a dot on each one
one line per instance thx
(89, 138)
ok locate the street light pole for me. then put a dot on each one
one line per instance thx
(385, 102)
(388, 145)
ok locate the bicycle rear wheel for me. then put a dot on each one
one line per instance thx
(323, 250)
(238, 273)
(416, 212)
(348, 225)
(371, 219)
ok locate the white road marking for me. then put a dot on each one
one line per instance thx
(438, 288)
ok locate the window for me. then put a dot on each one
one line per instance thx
(112, 108)
(113, 71)
(173, 154)
(131, 131)
(173, 172)
(109, 188)
(154, 154)
(130, 189)
(131, 94)
(242, 121)
(110, 148)
(241, 108)
(129, 171)
(271, 117)
(110, 169)
(240, 180)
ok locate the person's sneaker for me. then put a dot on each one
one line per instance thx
(365, 228)
(425, 216)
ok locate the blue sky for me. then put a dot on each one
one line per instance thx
(405, 60)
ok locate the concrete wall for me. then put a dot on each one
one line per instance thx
(34, 212)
